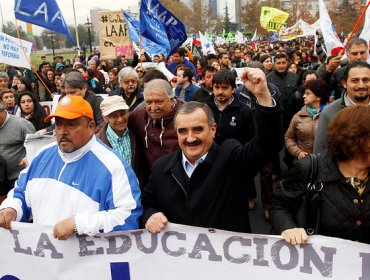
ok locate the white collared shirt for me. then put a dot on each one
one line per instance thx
(188, 167)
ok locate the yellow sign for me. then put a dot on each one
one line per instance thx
(272, 19)
(113, 35)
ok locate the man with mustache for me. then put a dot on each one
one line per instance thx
(78, 185)
(153, 124)
(128, 88)
(356, 81)
(204, 184)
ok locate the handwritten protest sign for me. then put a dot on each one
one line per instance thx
(113, 35)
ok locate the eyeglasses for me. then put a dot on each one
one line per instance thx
(132, 81)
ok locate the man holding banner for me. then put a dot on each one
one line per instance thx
(203, 184)
(77, 185)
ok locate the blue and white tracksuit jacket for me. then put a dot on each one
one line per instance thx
(93, 184)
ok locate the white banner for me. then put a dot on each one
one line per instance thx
(29, 252)
(299, 29)
(11, 52)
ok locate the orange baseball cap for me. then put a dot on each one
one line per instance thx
(72, 107)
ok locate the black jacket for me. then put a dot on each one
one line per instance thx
(216, 194)
(286, 82)
(235, 121)
(95, 100)
(344, 213)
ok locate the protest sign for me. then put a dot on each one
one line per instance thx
(179, 252)
(11, 52)
(272, 19)
(299, 29)
(113, 35)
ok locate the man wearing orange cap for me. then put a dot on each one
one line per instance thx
(78, 185)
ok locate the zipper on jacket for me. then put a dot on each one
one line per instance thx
(61, 171)
(181, 186)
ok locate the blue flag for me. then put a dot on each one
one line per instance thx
(160, 26)
(45, 13)
(133, 26)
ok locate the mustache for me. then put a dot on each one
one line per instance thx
(361, 89)
(64, 138)
(193, 144)
(130, 87)
(155, 111)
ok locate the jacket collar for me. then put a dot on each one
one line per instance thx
(329, 169)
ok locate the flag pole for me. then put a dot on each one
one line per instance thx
(74, 14)
(355, 28)
(31, 65)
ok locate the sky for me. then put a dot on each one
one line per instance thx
(82, 8)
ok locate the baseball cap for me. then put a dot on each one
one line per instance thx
(72, 107)
(112, 104)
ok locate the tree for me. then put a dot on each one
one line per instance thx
(202, 21)
(9, 28)
(345, 17)
(227, 23)
(251, 15)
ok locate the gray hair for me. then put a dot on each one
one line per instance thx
(4, 75)
(125, 72)
(357, 42)
(191, 106)
(74, 79)
(159, 86)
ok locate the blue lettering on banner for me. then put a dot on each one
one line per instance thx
(119, 271)
(9, 277)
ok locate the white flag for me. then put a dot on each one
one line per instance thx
(239, 37)
(365, 34)
(219, 41)
(331, 38)
(254, 38)
(207, 46)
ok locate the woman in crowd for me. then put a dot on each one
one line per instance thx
(50, 76)
(16, 78)
(293, 67)
(216, 65)
(266, 61)
(113, 80)
(140, 73)
(24, 84)
(301, 133)
(344, 173)
(31, 110)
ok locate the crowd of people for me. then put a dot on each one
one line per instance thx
(137, 147)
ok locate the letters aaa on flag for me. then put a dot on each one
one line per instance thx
(133, 26)
(45, 13)
(161, 26)
(272, 19)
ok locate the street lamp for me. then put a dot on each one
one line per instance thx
(52, 37)
(89, 25)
